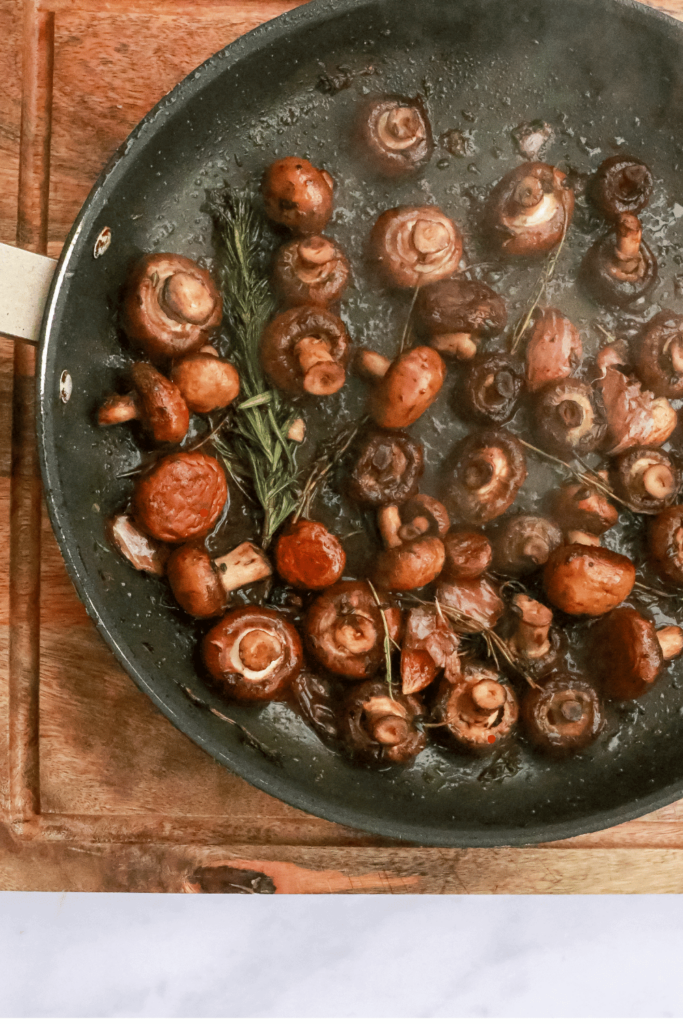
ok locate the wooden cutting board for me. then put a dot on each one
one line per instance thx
(97, 790)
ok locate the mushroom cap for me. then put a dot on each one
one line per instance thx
(387, 469)
(254, 652)
(412, 565)
(517, 225)
(160, 286)
(581, 579)
(523, 543)
(611, 285)
(366, 709)
(492, 385)
(310, 271)
(298, 195)
(308, 556)
(626, 653)
(162, 407)
(458, 306)
(621, 184)
(195, 583)
(665, 543)
(395, 134)
(429, 645)
(659, 355)
(563, 715)
(477, 599)
(480, 710)
(578, 507)
(488, 468)
(553, 351)
(143, 553)
(568, 418)
(283, 333)
(634, 416)
(468, 555)
(408, 388)
(344, 629)
(206, 382)
(415, 245)
(646, 478)
(181, 497)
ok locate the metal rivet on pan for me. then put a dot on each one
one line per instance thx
(103, 242)
(65, 386)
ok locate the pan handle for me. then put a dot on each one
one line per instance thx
(25, 279)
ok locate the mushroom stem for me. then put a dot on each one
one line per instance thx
(185, 298)
(390, 730)
(409, 531)
(529, 193)
(488, 695)
(531, 638)
(629, 237)
(671, 641)
(259, 649)
(322, 375)
(315, 252)
(356, 634)
(118, 409)
(581, 537)
(297, 431)
(389, 521)
(659, 481)
(311, 351)
(676, 354)
(243, 565)
(461, 345)
(371, 364)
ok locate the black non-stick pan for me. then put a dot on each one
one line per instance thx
(607, 75)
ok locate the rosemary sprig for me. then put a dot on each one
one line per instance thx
(404, 336)
(329, 454)
(586, 476)
(544, 280)
(387, 643)
(257, 436)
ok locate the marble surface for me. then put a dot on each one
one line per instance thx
(340, 956)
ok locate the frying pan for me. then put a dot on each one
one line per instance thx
(605, 74)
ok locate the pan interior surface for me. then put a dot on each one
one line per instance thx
(293, 87)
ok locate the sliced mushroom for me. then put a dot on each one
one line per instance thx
(634, 416)
(414, 552)
(345, 629)
(143, 552)
(395, 134)
(305, 350)
(298, 195)
(659, 357)
(479, 711)
(415, 245)
(523, 543)
(646, 478)
(409, 387)
(491, 388)
(535, 645)
(181, 497)
(488, 469)
(585, 508)
(621, 184)
(156, 402)
(665, 543)
(568, 418)
(468, 555)
(308, 556)
(377, 727)
(429, 645)
(311, 271)
(206, 382)
(476, 601)
(620, 267)
(170, 306)
(387, 469)
(530, 209)
(553, 351)
(254, 653)
(563, 715)
(457, 314)
(581, 579)
(202, 585)
(317, 700)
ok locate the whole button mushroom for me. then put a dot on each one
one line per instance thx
(562, 716)
(202, 585)
(415, 245)
(553, 350)
(479, 711)
(535, 645)
(629, 652)
(407, 389)
(345, 629)
(170, 306)
(634, 416)
(429, 645)
(144, 553)
(387, 469)
(621, 184)
(395, 134)
(298, 195)
(310, 271)
(582, 579)
(254, 653)
(568, 418)
(530, 209)
(487, 471)
(584, 508)
(665, 544)
(646, 479)
(620, 267)
(305, 351)
(181, 497)
(476, 601)
(308, 556)
(491, 388)
(523, 543)
(156, 402)
(414, 551)
(659, 355)
(206, 382)
(377, 727)
(458, 313)
(468, 555)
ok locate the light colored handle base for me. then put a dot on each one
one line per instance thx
(25, 279)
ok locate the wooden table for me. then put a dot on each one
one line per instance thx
(97, 790)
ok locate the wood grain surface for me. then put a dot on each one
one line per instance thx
(97, 790)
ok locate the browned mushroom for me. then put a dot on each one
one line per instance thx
(581, 579)
(305, 350)
(298, 195)
(206, 382)
(345, 629)
(308, 556)
(202, 585)
(634, 416)
(408, 388)
(317, 699)
(479, 711)
(143, 552)
(581, 507)
(530, 209)
(429, 645)
(477, 603)
(563, 715)
(311, 271)
(254, 653)
(415, 245)
(665, 543)
(170, 306)
(523, 543)
(646, 478)
(414, 552)
(156, 402)
(553, 350)
(181, 497)
(629, 653)
(620, 267)
(568, 418)
(621, 184)
(536, 646)
(377, 727)
(387, 469)
(491, 388)
(395, 134)
(659, 357)
(468, 555)
(487, 470)
(458, 313)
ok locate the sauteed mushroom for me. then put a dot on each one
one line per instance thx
(458, 313)
(568, 419)
(479, 711)
(476, 599)
(317, 700)
(414, 552)
(646, 478)
(553, 350)
(377, 727)
(144, 553)
(621, 184)
(429, 645)
(634, 416)
(522, 543)
(345, 632)
(181, 497)
(563, 715)
(408, 388)
(395, 134)
(488, 469)
(206, 382)
(201, 584)
(582, 579)
(387, 469)
(298, 195)
(254, 653)
(311, 271)
(535, 645)
(665, 542)
(529, 209)
(492, 387)
(308, 556)
(629, 652)
(415, 245)
(305, 350)
(468, 555)
(659, 356)
(620, 267)
(156, 402)
(584, 508)
(170, 306)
